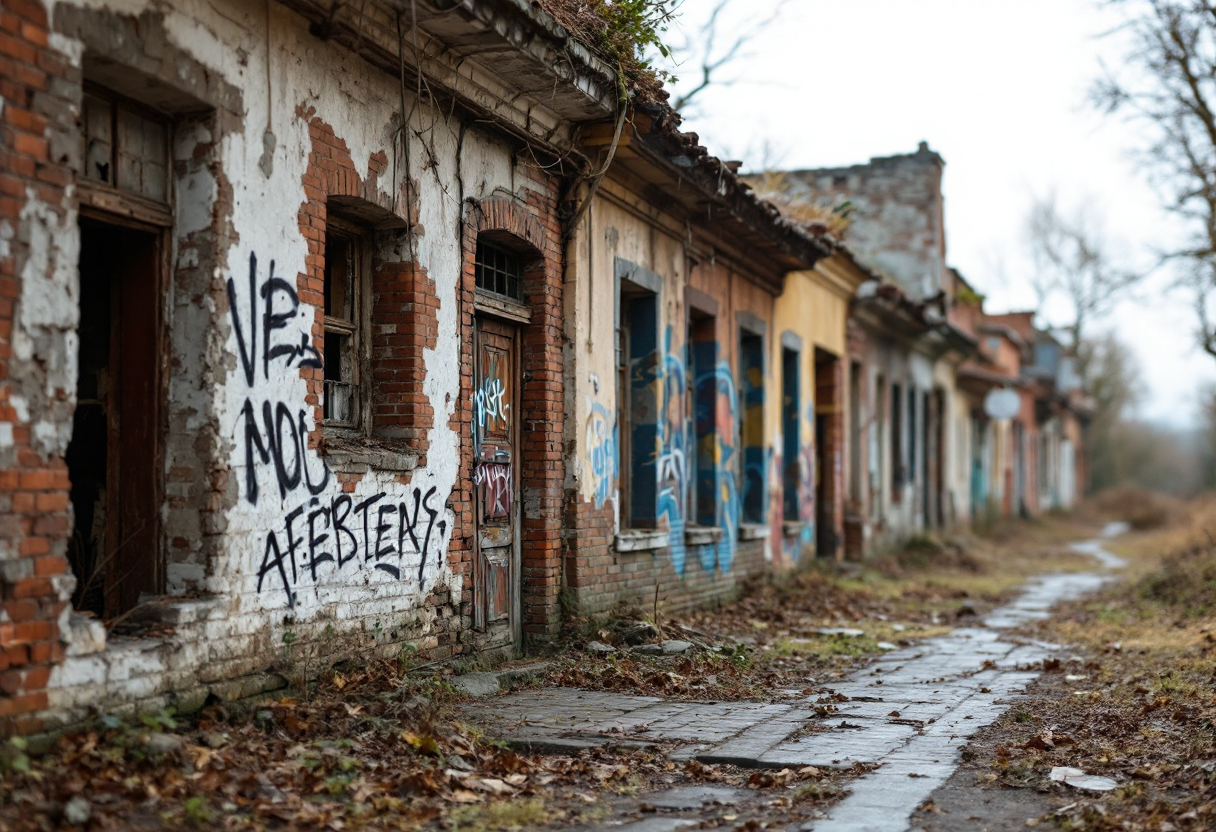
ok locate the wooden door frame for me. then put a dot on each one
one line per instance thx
(160, 230)
(515, 567)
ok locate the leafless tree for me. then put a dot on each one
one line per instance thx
(706, 52)
(1114, 386)
(1071, 257)
(1169, 83)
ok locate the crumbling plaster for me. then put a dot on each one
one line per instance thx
(247, 208)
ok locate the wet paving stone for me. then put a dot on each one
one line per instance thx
(909, 714)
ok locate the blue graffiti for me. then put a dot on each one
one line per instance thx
(673, 459)
(718, 460)
(602, 452)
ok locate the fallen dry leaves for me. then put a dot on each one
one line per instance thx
(353, 756)
(1136, 700)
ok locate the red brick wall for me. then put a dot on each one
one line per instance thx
(533, 225)
(404, 323)
(34, 513)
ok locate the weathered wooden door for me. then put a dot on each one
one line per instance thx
(496, 437)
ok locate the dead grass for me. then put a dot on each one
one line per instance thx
(1142, 510)
(1137, 702)
(767, 643)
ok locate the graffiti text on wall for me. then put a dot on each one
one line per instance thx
(673, 459)
(374, 532)
(721, 455)
(280, 307)
(395, 532)
(602, 452)
(494, 480)
(806, 486)
(490, 403)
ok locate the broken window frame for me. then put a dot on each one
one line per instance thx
(354, 329)
(111, 196)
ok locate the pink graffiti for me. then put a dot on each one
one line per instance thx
(494, 480)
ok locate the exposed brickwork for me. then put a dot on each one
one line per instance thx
(533, 227)
(41, 95)
(908, 245)
(589, 552)
(404, 303)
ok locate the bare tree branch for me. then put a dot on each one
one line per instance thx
(1071, 259)
(702, 46)
(1172, 88)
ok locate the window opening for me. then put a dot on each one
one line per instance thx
(791, 405)
(342, 293)
(702, 338)
(638, 369)
(126, 145)
(827, 451)
(878, 463)
(855, 432)
(911, 434)
(751, 428)
(499, 271)
(897, 443)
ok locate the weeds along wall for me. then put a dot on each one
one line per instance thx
(270, 520)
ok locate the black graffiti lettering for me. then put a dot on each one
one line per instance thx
(381, 528)
(426, 504)
(287, 482)
(275, 563)
(286, 447)
(319, 529)
(316, 558)
(340, 528)
(309, 356)
(292, 540)
(272, 320)
(434, 514)
(363, 507)
(313, 488)
(409, 525)
(318, 532)
(247, 356)
(253, 442)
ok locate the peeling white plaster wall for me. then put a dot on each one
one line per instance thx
(361, 104)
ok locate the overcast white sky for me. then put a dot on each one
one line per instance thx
(998, 88)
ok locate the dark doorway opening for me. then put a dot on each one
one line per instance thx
(829, 428)
(113, 456)
(751, 427)
(703, 343)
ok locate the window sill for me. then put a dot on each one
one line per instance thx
(702, 535)
(502, 307)
(753, 531)
(642, 540)
(792, 528)
(358, 455)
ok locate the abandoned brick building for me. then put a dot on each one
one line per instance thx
(393, 318)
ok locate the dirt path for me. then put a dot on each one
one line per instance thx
(904, 720)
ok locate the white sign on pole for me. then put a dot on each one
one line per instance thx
(1002, 403)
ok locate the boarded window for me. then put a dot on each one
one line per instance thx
(126, 146)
